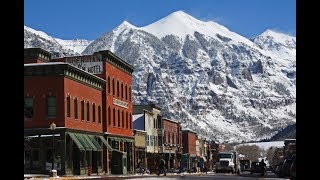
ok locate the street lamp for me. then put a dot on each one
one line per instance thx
(53, 127)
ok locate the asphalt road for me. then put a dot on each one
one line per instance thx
(245, 175)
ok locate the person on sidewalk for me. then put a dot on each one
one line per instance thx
(162, 167)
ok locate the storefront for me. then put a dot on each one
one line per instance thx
(67, 151)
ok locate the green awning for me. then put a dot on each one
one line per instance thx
(91, 143)
(84, 142)
(129, 140)
(106, 143)
(95, 142)
(73, 137)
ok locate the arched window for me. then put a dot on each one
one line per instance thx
(121, 91)
(109, 116)
(118, 117)
(114, 117)
(122, 117)
(130, 121)
(127, 120)
(113, 90)
(118, 91)
(126, 92)
(109, 84)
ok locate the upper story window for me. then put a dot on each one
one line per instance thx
(126, 92)
(109, 116)
(88, 111)
(82, 110)
(114, 116)
(127, 120)
(68, 107)
(121, 91)
(99, 114)
(118, 91)
(129, 93)
(118, 118)
(113, 90)
(75, 101)
(51, 106)
(130, 121)
(28, 107)
(109, 84)
(93, 113)
(173, 139)
(122, 117)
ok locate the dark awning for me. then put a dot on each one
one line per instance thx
(75, 139)
(95, 142)
(84, 142)
(106, 143)
(91, 143)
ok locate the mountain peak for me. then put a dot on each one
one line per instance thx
(275, 34)
(125, 25)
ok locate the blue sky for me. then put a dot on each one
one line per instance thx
(89, 19)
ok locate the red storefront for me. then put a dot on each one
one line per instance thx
(189, 149)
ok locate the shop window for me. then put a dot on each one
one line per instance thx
(51, 106)
(28, 107)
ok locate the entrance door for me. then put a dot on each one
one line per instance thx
(94, 161)
(75, 160)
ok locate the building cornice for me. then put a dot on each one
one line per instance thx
(66, 70)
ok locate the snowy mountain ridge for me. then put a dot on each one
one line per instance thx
(68, 47)
(214, 81)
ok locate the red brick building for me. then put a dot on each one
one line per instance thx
(116, 103)
(71, 99)
(172, 142)
(107, 92)
(189, 148)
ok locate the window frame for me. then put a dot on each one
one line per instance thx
(49, 116)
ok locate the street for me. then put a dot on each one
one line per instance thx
(245, 175)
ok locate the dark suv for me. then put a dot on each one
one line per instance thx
(257, 168)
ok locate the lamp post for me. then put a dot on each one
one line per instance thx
(53, 127)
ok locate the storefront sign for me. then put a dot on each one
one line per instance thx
(91, 64)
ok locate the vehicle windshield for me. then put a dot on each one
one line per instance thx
(224, 155)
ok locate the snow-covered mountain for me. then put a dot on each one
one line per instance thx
(58, 47)
(215, 81)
